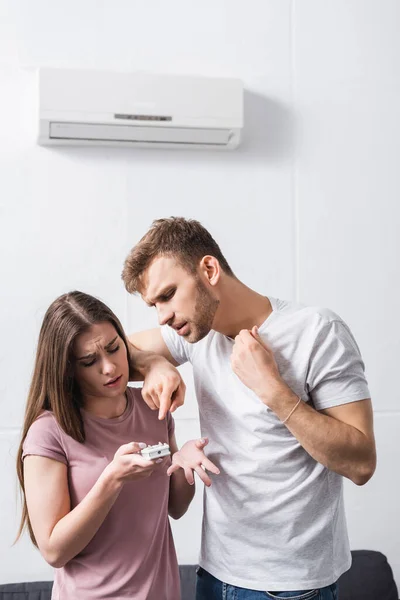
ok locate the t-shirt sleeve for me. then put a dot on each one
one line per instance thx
(336, 370)
(175, 344)
(44, 439)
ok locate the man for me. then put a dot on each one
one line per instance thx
(285, 404)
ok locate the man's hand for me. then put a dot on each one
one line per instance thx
(254, 363)
(192, 458)
(163, 387)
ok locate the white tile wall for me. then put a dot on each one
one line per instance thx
(307, 208)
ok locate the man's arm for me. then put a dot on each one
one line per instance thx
(151, 361)
(150, 341)
(340, 438)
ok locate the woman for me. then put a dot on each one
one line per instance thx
(97, 509)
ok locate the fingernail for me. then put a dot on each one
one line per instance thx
(142, 445)
(159, 460)
(202, 440)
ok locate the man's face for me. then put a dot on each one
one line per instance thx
(181, 298)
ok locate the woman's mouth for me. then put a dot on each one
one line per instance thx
(113, 382)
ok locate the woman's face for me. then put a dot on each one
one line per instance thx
(101, 362)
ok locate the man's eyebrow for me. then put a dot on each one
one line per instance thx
(161, 294)
(92, 354)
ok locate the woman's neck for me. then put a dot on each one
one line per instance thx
(106, 408)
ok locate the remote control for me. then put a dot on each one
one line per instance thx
(157, 451)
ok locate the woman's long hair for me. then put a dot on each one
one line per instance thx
(53, 386)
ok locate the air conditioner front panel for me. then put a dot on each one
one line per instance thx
(59, 131)
(107, 92)
(81, 107)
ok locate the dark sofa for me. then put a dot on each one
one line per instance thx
(370, 578)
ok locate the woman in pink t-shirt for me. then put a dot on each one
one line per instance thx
(94, 506)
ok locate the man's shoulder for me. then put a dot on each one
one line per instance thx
(319, 316)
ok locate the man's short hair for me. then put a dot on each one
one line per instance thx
(186, 240)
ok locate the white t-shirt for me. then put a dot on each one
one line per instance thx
(274, 518)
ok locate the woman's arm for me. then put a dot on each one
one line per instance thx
(180, 491)
(61, 533)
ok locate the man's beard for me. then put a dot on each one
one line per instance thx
(205, 309)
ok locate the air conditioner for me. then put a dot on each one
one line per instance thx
(138, 109)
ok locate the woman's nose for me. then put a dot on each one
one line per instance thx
(108, 367)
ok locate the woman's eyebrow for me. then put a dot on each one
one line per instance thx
(86, 356)
(94, 353)
(111, 343)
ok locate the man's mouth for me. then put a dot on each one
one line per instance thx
(182, 329)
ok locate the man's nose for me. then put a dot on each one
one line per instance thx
(165, 316)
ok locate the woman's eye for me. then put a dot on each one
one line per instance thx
(114, 350)
(89, 364)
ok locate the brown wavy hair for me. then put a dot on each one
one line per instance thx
(53, 386)
(184, 239)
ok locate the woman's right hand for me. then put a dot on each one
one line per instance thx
(129, 465)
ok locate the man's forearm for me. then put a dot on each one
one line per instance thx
(140, 362)
(336, 445)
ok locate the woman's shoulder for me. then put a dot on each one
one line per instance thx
(44, 421)
(44, 438)
(45, 427)
(135, 397)
(151, 415)
(134, 393)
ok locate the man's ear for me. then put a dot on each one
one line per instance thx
(210, 269)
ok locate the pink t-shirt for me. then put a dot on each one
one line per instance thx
(132, 555)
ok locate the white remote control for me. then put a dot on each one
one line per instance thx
(157, 451)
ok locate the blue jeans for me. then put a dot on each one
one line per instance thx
(210, 588)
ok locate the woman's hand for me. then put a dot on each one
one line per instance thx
(192, 458)
(129, 465)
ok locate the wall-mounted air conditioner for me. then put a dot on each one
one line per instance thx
(138, 109)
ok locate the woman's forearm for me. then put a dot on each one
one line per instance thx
(73, 532)
(180, 494)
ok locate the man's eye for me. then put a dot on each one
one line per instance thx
(114, 350)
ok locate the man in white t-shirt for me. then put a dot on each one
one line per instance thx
(284, 403)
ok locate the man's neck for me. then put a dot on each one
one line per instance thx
(240, 308)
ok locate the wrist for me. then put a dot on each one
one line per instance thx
(279, 397)
(109, 480)
(142, 361)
